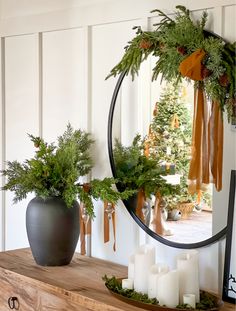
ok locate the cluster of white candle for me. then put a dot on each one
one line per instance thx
(169, 287)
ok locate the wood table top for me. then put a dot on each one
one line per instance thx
(80, 281)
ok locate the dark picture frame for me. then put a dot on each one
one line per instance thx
(229, 281)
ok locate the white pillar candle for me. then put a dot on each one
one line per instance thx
(187, 265)
(154, 273)
(127, 283)
(144, 258)
(131, 267)
(190, 300)
(168, 289)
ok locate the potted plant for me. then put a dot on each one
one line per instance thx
(54, 176)
(135, 171)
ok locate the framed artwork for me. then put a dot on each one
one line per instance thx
(229, 282)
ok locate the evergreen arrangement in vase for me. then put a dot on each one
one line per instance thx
(56, 171)
(54, 176)
(135, 171)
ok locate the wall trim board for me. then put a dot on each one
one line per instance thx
(40, 93)
(218, 20)
(96, 14)
(88, 73)
(3, 145)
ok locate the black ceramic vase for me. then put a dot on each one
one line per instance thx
(53, 230)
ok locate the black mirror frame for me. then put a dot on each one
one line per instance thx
(229, 243)
(157, 237)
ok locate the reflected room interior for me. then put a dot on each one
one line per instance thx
(154, 119)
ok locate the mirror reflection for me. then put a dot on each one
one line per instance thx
(152, 132)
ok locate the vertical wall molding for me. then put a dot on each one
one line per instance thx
(40, 94)
(88, 73)
(88, 104)
(143, 238)
(218, 20)
(3, 147)
(218, 29)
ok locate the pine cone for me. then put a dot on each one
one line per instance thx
(161, 46)
(224, 80)
(145, 44)
(181, 50)
(206, 72)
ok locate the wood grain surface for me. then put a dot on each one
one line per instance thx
(78, 286)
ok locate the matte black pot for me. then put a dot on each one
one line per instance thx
(53, 230)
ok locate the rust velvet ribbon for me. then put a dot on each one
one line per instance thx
(191, 66)
(107, 222)
(207, 144)
(207, 137)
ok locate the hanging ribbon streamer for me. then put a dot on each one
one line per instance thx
(109, 213)
(216, 134)
(157, 221)
(199, 195)
(199, 164)
(140, 204)
(207, 135)
(85, 228)
(85, 223)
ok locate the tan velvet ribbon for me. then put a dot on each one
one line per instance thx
(85, 228)
(207, 145)
(140, 203)
(85, 224)
(156, 222)
(199, 164)
(107, 226)
(216, 140)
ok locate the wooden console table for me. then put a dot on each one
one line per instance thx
(76, 287)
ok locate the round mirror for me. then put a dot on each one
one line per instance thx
(138, 116)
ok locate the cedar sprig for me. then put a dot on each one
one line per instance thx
(135, 54)
(171, 42)
(55, 170)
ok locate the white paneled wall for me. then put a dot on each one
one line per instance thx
(57, 56)
(64, 83)
(2, 203)
(21, 117)
(105, 53)
(227, 16)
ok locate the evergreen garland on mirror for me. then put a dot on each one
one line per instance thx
(174, 40)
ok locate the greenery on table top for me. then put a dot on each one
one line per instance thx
(115, 285)
(207, 301)
(56, 170)
(135, 171)
(172, 41)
